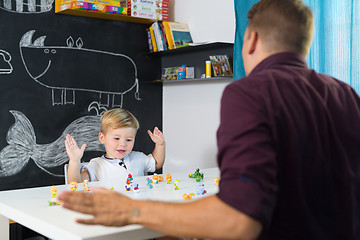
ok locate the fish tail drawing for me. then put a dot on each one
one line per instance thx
(21, 139)
(22, 145)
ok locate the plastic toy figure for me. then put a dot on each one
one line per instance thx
(130, 177)
(86, 186)
(128, 185)
(160, 178)
(197, 175)
(155, 178)
(128, 188)
(128, 182)
(149, 183)
(136, 187)
(53, 201)
(176, 184)
(200, 189)
(73, 186)
(168, 178)
(217, 180)
(198, 179)
(188, 196)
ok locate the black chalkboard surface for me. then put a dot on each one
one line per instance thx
(58, 74)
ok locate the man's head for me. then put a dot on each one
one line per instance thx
(279, 26)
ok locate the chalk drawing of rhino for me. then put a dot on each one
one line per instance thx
(71, 68)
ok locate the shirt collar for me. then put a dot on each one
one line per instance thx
(283, 58)
(114, 160)
(111, 160)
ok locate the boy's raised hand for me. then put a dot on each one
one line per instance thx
(72, 149)
(157, 136)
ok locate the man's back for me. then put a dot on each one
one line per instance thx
(302, 148)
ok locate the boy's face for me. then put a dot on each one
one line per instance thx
(118, 142)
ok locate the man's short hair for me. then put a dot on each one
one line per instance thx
(283, 25)
(118, 118)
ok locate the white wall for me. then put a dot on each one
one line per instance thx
(208, 20)
(190, 121)
(191, 109)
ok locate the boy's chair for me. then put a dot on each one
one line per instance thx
(66, 166)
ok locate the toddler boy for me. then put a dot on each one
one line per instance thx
(117, 133)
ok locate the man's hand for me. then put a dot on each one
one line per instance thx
(215, 219)
(157, 136)
(108, 208)
(72, 149)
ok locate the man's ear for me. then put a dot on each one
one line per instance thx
(253, 41)
(101, 137)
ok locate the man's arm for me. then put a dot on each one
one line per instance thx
(205, 218)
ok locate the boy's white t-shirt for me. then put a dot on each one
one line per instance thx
(109, 170)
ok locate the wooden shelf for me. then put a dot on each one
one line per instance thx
(103, 15)
(201, 47)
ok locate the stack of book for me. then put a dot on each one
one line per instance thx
(108, 6)
(167, 35)
(151, 9)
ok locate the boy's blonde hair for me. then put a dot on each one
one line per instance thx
(118, 118)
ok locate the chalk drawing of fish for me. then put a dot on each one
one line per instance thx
(59, 68)
(22, 145)
(26, 7)
(5, 65)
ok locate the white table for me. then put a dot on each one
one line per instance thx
(30, 208)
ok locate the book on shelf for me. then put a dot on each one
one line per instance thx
(153, 41)
(163, 34)
(170, 35)
(149, 40)
(158, 37)
(162, 37)
(180, 34)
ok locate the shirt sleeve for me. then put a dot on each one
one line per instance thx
(150, 163)
(246, 154)
(90, 167)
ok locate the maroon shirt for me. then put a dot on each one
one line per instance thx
(289, 151)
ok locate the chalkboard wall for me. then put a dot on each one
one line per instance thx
(58, 74)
